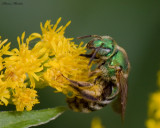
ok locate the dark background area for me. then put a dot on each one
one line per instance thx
(134, 24)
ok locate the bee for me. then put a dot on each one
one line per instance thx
(112, 69)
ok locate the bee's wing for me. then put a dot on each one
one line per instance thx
(123, 93)
(120, 103)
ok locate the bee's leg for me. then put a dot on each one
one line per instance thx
(86, 95)
(117, 79)
(89, 47)
(107, 91)
(86, 55)
(79, 83)
(114, 95)
(91, 54)
(95, 72)
(117, 68)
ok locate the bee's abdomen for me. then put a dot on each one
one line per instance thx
(82, 105)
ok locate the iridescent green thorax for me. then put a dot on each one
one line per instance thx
(118, 59)
(113, 55)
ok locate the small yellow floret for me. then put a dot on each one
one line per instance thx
(4, 94)
(151, 123)
(154, 109)
(24, 98)
(3, 50)
(96, 123)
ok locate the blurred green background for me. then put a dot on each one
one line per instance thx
(134, 24)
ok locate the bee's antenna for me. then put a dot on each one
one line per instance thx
(96, 36)
(82, 37)
(94, 54)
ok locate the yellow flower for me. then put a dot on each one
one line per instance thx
(154, 109)
(53, 57)
(96, 123)
(20, 65)
(4, 92)
(64, 57)
(24, 98)
(24, 62)
(154, 105)
(3, 50)
(151, 123)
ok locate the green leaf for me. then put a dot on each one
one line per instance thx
(13, 119)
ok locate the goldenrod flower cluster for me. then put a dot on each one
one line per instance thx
(154, 109)
(52, 55)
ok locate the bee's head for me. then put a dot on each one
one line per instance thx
(103, 46)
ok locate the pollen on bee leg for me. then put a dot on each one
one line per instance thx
(125, 75)
(114, 78)
(95, 72)
(106, 101)
(95, 106)
(78, 83)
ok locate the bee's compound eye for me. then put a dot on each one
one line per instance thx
(104, 51)
(90, 44)
(107, 50)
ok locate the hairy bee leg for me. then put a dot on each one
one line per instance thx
(90, 47)
(118, 70)
(85, 95)
(95, 72)
(86, 55)
(113, 96)
(78, 83)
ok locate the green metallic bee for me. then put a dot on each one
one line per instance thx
(112, 69)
